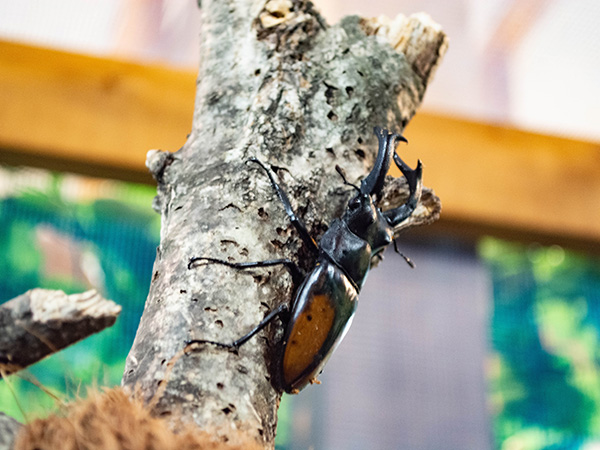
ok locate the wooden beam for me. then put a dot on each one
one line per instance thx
(101, 116)
(500, 179)
(90, 110)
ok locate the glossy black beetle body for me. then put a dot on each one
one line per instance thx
(325, 301)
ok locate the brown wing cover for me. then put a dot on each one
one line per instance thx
(321, 315)
(308, 336)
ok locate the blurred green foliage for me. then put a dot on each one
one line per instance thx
(544, 361)
(121, 231)
(544, 369)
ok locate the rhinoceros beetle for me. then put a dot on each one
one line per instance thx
(325, 299)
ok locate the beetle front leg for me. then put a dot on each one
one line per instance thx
(296, 221)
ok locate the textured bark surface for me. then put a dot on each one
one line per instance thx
(275, 82)
(41, 322)
(9, 428)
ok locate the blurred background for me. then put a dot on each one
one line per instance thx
(492, 342)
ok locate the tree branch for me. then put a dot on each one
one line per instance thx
(9, 428)
(277, 83)
(41, 322)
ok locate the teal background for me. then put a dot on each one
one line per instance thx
(543, 364)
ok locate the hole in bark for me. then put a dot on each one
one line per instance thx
(209, 308)
(244, 252)
(280, 231)
(262, 213)
(165, 413)
(332, 116)
(360, 153)
(257, 72)
(278, 244)
(130, 372)
(359, 140)
(182, 291)
(261, 431)
(257, 278)
(220, 385)
(242, 369)
(160, 382)
(330, 150)
(360, 73)
(163, 362)
(226, 411)
(155, 276)
(349, 91)
(329, 93)
(219, 323)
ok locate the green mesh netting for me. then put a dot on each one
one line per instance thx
(544, 368)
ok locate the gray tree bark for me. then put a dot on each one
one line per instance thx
(41, 322)
(275, 82)
(9, 428)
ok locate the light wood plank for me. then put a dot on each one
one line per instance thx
(506, 178)
(91, 113)
(90, 109)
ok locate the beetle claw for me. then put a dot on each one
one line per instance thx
(191, 342)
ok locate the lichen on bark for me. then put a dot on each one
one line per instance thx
(277, 83)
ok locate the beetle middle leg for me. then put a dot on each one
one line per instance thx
(292, 267)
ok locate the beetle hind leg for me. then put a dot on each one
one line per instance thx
(281, 310)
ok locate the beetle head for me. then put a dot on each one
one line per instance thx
(366, 221)
(362, 217)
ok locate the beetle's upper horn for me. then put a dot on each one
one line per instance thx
(387, 147)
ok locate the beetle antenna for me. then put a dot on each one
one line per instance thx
(406, 258)
(342, 173)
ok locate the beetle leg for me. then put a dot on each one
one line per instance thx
(406, 258)
(415, 185)
(296, 221)
(280, 310)
(295, 272)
